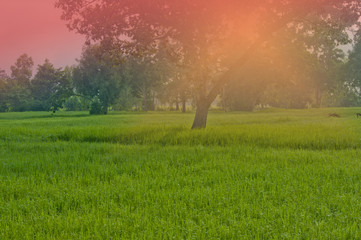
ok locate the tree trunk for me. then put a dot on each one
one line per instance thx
(104, 109)
(200, 120)
(171, 106)
(318, 97)
(183, 100)
(183, 105)
(177, 104)
(145, 107)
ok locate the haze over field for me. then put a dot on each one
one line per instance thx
(34, 27)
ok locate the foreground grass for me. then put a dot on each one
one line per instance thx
(265, 175)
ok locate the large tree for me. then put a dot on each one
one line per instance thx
(213, 39)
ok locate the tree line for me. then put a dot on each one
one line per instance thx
(98, 83)
(285, 76)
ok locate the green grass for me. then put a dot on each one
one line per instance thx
(280, 174)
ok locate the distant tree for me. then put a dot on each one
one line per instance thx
(63, 88)
(50, 87)
(278, 75)
(352, 70)
(18, 92)
(3, 74)
(176, 89)
(127, 100)
(328, 59)
(43, 86)
(173, 77)
(244, 91)
(3, 91)
(96, 106)
(97, 78)
(18, 98)
(21, 71)
(76, 103)
(147, 77)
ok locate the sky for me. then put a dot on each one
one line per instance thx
(34, 27)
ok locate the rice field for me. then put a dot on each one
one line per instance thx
(272, 174)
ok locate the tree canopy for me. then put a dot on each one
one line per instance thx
(22, 70)
(50, 87)
(98, 79)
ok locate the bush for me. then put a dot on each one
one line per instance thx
(96, 107)
(73, 103)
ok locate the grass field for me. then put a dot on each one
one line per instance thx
(276, 174)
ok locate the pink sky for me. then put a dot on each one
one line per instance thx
(34, 27)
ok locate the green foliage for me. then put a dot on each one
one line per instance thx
(96, 107)
(271, 174)
(18, 98)
(48, 89)
(44, 86)
(17, 87)
(62, 89)
(354, 65)
(352, 74)
(3, 91)
(147, 76)
(290, 76)
(21, 71)
(95, 76)
(126, 100)
(76, 103)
